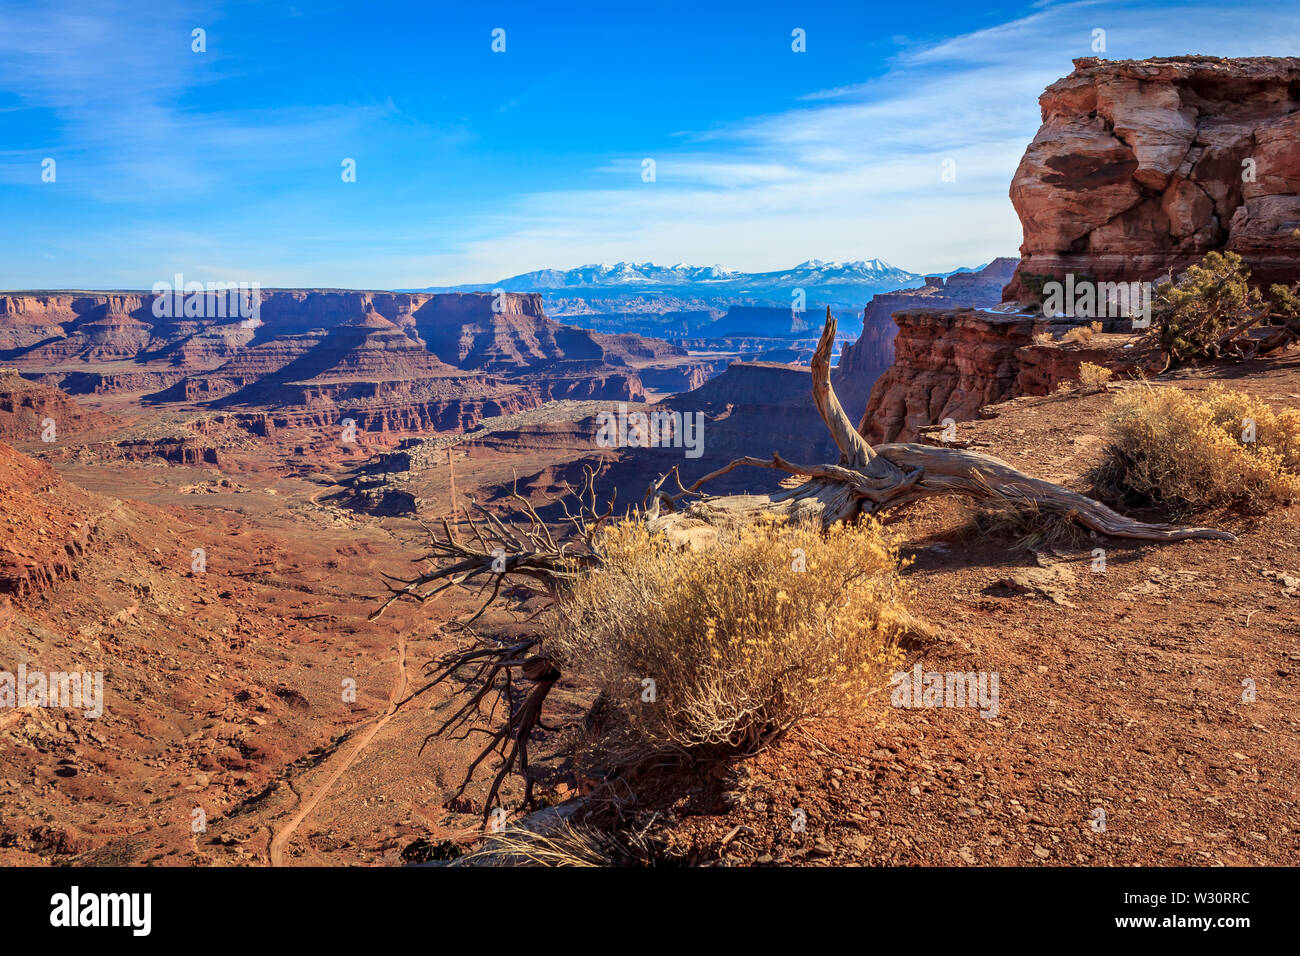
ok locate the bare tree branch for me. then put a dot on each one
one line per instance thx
(865, 481)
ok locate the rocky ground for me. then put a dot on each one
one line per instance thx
(1119, 691)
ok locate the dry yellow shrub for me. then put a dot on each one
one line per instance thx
(773, 624)
(1189, 453)
(1094, 376)
(1043, 338)
(1080, 333)
(565, 845)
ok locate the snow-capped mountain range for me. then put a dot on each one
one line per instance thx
(840, 284)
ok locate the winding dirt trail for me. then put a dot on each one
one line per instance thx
(310, 798)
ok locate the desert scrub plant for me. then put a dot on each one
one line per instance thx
(1082, 333)
(1093, 376)
(1207, 300)
(562, 846)
(568, 844)
(1043, 338)
(1166, 446)
(1212, 310)
(774, 623)
(1029, 527)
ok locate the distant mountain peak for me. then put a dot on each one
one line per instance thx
(824, 282)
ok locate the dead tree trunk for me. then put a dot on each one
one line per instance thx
(526, 552)
(870, 480)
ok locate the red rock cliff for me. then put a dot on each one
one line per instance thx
(1142, 166)
(864, 361)
(947, 364)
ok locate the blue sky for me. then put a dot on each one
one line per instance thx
(474, 165)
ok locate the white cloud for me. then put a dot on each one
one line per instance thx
(848, 173)
(854, 172)
(119, 124)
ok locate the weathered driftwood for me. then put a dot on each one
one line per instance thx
(870, 480)
(524, 551)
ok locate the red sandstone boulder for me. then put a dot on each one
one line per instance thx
(1143, 166)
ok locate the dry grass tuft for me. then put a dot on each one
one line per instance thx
(1169, 447)
(773, 624)
(1031, 526)
(1094, 376)
(1082, 334)
(563, 845)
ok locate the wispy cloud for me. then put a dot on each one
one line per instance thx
(116, 87)
(848, 172)
(856, 171)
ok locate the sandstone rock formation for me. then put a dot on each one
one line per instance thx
(864, 361)
(947, 364)
(950, 364)
(389, 361)
(25, 405)
(681, 376)
(48, 525)
(1143, 166)
(1041, 369)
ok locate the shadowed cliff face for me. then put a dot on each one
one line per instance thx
(864, 361)
(1143, 166)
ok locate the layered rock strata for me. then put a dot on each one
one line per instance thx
(1141, 167)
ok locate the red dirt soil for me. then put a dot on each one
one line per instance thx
(225, 689)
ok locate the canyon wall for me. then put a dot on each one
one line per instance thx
(25, 406)
(862, 362)
(947, 364)
(1143, 166)
(467, 331)
(389, 361)
(951, 363)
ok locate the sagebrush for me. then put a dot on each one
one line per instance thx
(719, 651)
(1170, 447)
(1094, 376)
(1082, 334)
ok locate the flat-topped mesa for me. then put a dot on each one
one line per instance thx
(408, 361)
(1144, 166)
